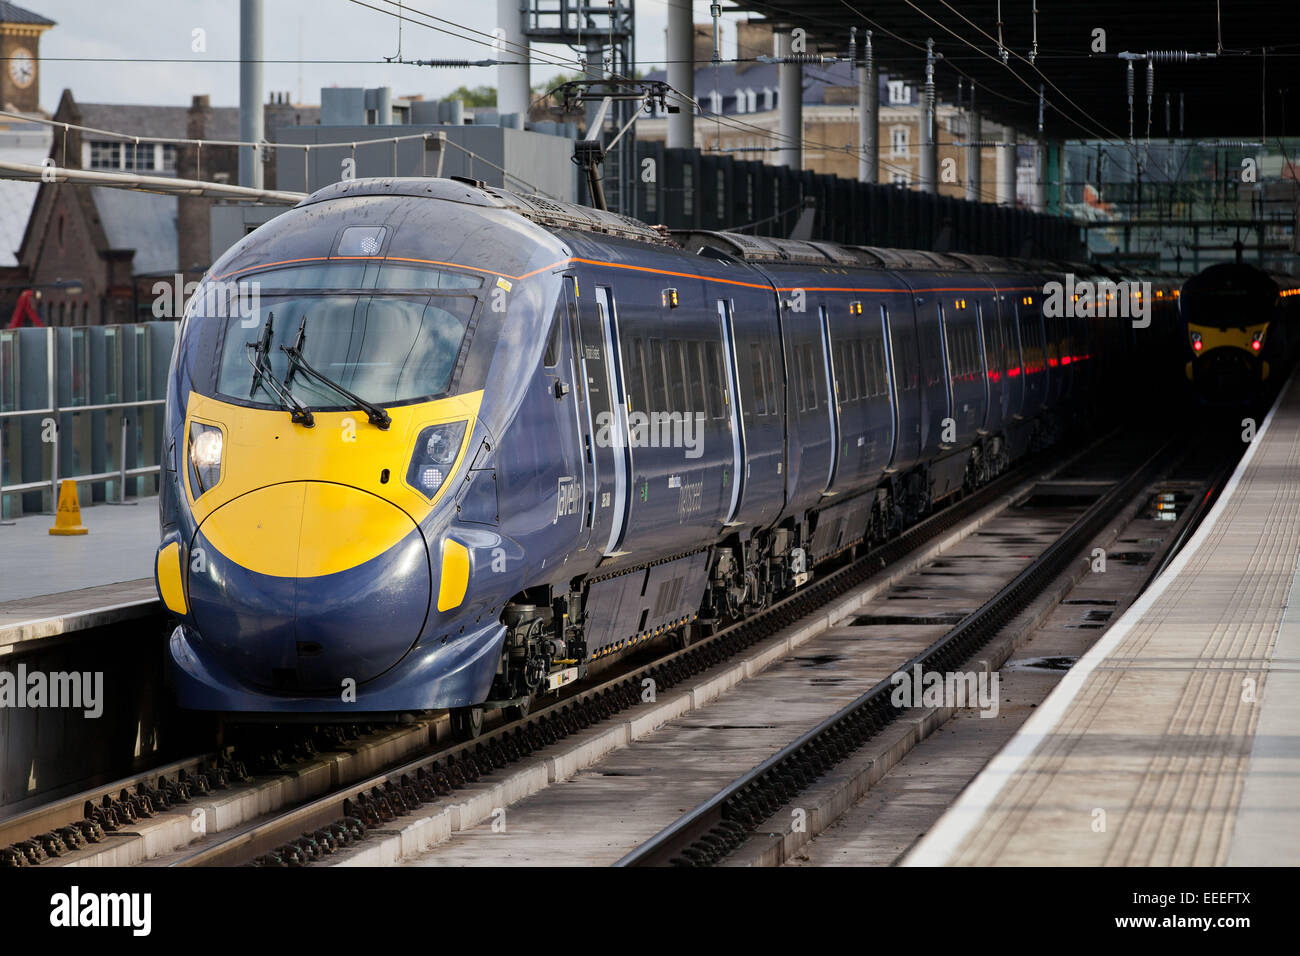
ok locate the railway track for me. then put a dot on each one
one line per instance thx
(305, 826)
(710, 832)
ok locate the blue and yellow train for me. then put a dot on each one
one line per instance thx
(435, 445)
(1242, 332)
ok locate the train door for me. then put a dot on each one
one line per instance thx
(586, 420)
(734, 411)
(617, 430)
(890, 383)
(991, 349)
(832, 401)
(947, 365)
(565, 420)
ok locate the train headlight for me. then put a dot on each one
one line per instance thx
(435, 452)
(1257, 342)
(206, 449)
(1197, 344)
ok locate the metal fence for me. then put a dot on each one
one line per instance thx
(81, 402)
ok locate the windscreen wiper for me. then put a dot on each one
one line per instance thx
(378, 416)
(262, 377)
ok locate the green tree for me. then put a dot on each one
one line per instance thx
(541, 89)
(478, 96)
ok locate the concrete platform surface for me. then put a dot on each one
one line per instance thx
(50, 584)
(120, 547)
(1176, 739)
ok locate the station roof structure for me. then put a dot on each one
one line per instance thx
(1241, 93)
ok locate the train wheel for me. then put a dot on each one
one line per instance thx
(519, 711)
(467, 722)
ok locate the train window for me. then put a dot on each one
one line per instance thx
(676, 379)
(713, 373)
(695, 376)
(413, 277)
(860, 369)
(410, 352)
(852, 390)
(797, 378)
(760, 389)
(552, 355)
(773, 393)
(1031, 343)
(634, 361)
(810, 376)
(658, 391)
(992, 344)
(850, 378)
(843, 390)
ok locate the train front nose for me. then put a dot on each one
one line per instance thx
(304, 585)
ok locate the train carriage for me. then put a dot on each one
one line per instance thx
(461, 443)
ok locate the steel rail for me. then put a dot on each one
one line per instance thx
(706, 834)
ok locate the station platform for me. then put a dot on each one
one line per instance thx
(51, 585)
(1176, 739)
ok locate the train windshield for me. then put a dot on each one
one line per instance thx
(389, 334)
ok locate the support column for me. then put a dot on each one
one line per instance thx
(1040, 159)
(974, 133)
(681, 74)
(513, 92)
(595, 71)
(1040, 176)
(790, 83)
(868, 118)
(250, 92)
(1007, 169)
(927, 167)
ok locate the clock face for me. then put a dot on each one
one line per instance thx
(22, 68)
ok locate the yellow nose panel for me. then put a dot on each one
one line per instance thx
(455, 575)
(170, 588)
(259, 530)
(343, 527)
(305, 529)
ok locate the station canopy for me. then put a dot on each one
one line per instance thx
(1250, 91)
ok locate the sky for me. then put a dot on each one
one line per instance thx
(151, 30)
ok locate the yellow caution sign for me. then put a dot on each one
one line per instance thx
(68, 519)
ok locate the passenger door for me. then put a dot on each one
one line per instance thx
(583, 381)
(616, 433)
(735, 414)
(832, 403)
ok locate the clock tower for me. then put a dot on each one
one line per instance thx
(20, 38)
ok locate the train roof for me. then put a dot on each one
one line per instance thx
(554, 214)
(549, 213)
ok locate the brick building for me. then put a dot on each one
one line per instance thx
(117, 243)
